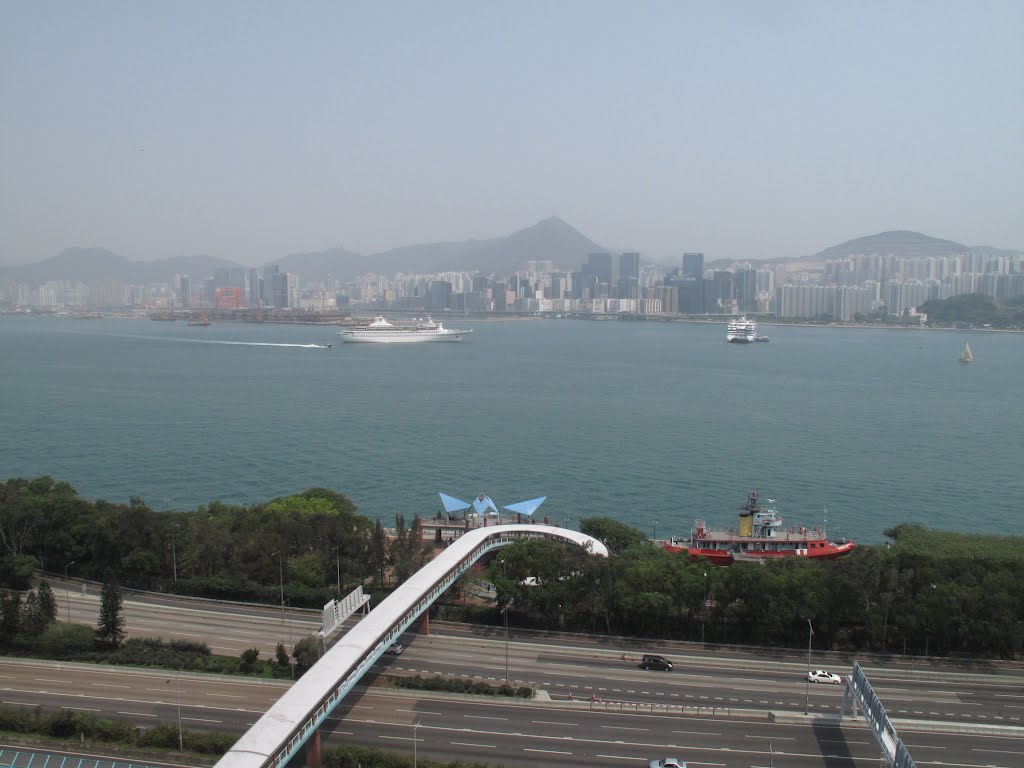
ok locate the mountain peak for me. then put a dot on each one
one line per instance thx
(903, 243)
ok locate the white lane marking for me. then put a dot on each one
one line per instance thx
(468, 744)
(110, 685)
(419, 712)
(483, 717)
(50, 680)
(137, 714)
(227, 695)
(547, 751)
(623, 728)
(201, 720)
(554, 722)
(699, 733)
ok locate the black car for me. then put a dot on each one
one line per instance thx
(655, 662)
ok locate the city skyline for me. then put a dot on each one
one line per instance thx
(742, 130)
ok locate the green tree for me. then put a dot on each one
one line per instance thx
(379, 553)
(618, 537)
(10, 616)
(110, 629)
(47, 601)
(249, 658)
(281, 654)
(307, 570)
(33, 621)
(308, 652)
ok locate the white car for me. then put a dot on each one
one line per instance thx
(668, 762)
(824, 676)
(395, 649)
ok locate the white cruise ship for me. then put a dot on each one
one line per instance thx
(741, 331)
(380, 331)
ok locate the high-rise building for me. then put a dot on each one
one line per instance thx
(629, 276)
(746, 289)
(254, 293)
(600, 266)
(185, 291)
(439, 295)
(693, 264)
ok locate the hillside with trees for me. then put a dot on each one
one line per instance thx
(975, 310)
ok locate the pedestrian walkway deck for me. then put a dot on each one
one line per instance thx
(280, 733)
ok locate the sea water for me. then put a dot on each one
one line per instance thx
(655, 424)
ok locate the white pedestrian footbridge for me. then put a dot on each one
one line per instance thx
(296, 717)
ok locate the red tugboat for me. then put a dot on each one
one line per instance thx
(760, 537)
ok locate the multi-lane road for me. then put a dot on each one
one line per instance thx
(717, 708)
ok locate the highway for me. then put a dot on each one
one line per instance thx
(517, 734)
(716, 701)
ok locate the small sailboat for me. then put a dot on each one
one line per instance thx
(966, 356)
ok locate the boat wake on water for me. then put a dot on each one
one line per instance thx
(259, 344)
(243, 343)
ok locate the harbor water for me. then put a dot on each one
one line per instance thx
(651, 423)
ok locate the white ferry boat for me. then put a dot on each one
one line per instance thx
(741, 331)
(380, 331)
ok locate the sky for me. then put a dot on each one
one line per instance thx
(740, 128)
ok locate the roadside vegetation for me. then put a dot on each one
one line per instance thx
(74, 729)
(452, 685)
(925, 593)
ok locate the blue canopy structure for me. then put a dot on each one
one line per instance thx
(482, 503)
(451, 504)
(526, 507)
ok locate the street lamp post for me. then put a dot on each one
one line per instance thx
(280, 565)
(703, 608)
(504, 612)
(177, 696)
(174, 558)
(807, 677)
(67, 589)
(337, 554)
(414, 750)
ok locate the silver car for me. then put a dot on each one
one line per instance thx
(668, 762)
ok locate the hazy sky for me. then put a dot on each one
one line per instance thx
(760, 129)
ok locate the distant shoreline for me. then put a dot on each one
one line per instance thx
(490, 318)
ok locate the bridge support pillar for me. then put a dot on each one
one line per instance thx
(425, 623)
(312, 759)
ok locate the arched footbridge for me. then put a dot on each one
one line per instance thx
(296, 717)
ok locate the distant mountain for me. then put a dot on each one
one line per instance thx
(551, 239)
(93, 264)
(901, 243)
(548, 240)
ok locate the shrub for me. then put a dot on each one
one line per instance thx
(249, 658)
(164, 736)
(61, 640)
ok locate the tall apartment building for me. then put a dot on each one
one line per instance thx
(185, 291)
(629, 276)
(693, 264)
(599, 264)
